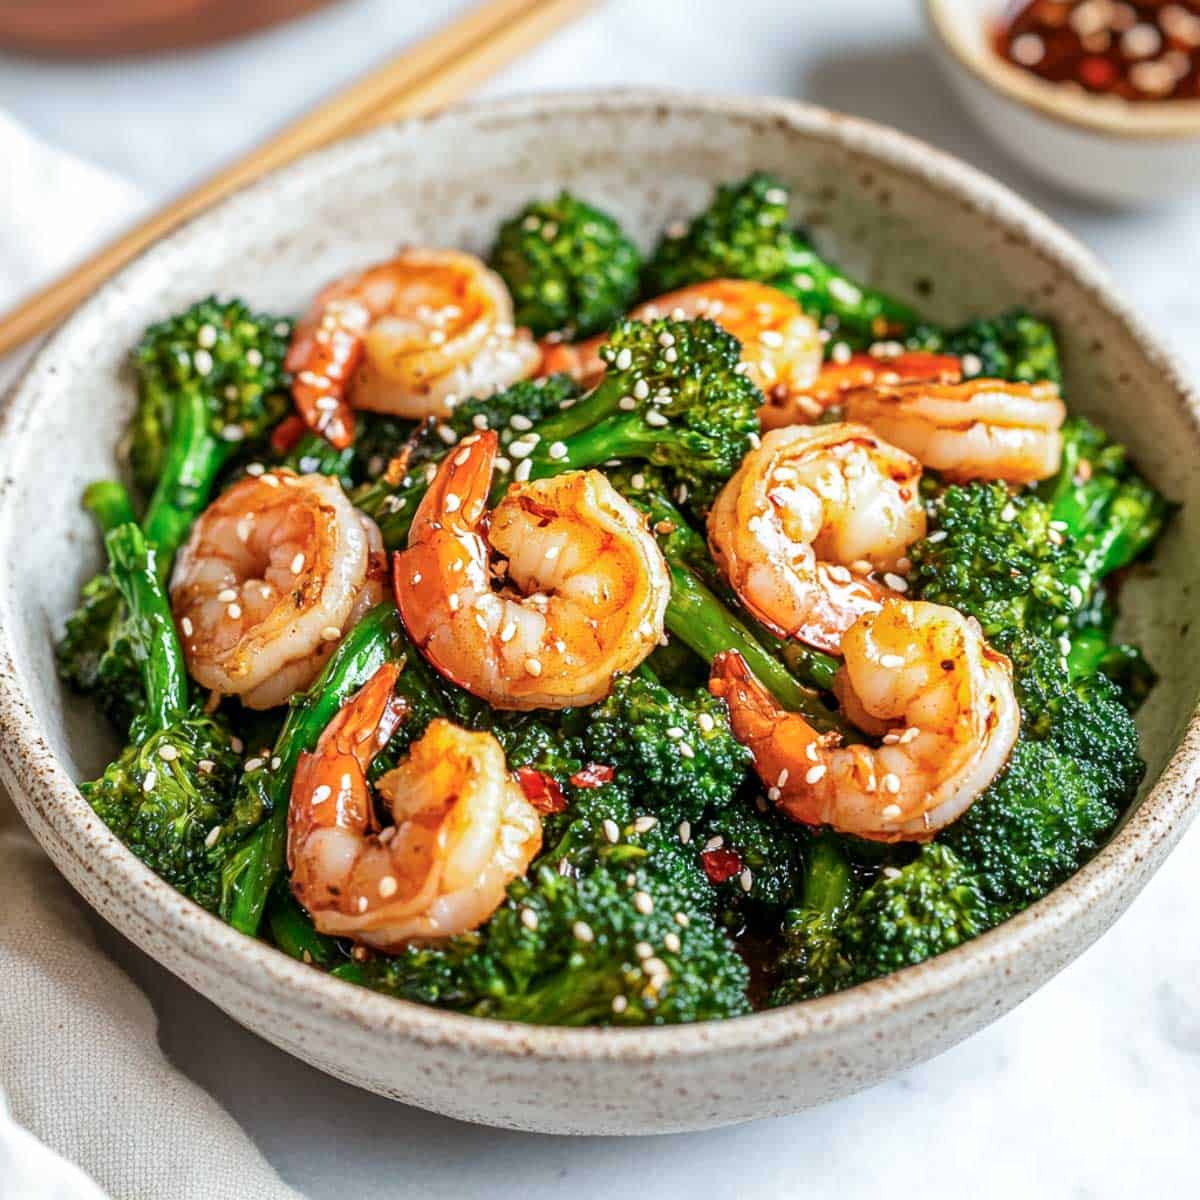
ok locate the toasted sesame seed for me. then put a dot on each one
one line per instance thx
(746, 879)
(782, 778)
(815, 774)
(773, 794)
(682, 920)
(643, 903)
(685, 832)
(236, 745)
(583, 931)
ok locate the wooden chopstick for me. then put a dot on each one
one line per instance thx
(435, 72)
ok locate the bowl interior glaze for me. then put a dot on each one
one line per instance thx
(890, 210)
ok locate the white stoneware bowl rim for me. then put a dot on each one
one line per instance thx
(1107, 115)
(38, 779)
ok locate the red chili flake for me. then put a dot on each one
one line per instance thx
(541, 790)
(287, 433)
(1096, 73)
(720, 865)
(594, 775)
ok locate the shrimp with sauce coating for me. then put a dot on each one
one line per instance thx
(406, 337)
(462, 828)
(585, 586)
(981, 429)
(805, 520)
(275, 571)
(922, 678)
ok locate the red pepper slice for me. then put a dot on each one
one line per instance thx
(594, 775)
(541, 790)
(720, 865)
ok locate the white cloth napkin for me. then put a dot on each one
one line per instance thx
(79, 1055)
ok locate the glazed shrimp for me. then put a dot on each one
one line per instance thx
(804, 521)
(406, 337)
(276, 569)
(462, 831)
(984, 429)
(802, 406)
(781, 344)
(921, 677)
(585, 590)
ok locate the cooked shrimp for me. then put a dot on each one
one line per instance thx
(922, 678)
(585, 593)
(802, 406)
(804, 521)
(984, 429)
(462, 832)
(406, 337)
(781, 344)
(276, 569)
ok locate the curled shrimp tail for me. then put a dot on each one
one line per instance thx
(330, 782)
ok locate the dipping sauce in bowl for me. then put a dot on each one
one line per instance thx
(1139, 52)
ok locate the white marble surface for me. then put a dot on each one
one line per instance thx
(1091, 1088)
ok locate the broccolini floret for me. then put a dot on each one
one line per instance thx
(745, 234)
(570, 267)
(1013, 346)
(173, 783)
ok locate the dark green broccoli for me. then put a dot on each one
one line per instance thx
(745, 234)
(570, 267)
(678, 745)
(999, 558)
(812, 962)
(172, 786)
(672, 395)
(911, 913)
(1013, 346)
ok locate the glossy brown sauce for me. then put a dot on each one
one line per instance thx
(1139, 51)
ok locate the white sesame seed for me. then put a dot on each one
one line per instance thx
(187, 627)
(206, 766)
(1028, 49)
(685, 832)
(232, 433)
(362, 904)
(891, 812)
(644, 950)
(644, 824)
(619, 1004)
(891, 872)
(706, 723)
(938, 535)
(529, 918)
(891, 783)
(533, 666)
(1075, 595)
(624, 360)
(225, 595)
(891, 661)
(611, 832)
(656, 419)
(773, 794)
(331, 633)
(453, 503)
(686, 750)
(254, 357)
(643, 903)
(583, 931)
(714, 843)
(236, 745)
(234, 611)
(557, 450)
(149, 780)
(896, 582)
(909, 735)
(276, 762)
(203, 362)
(810, 751)
(815, 774)
(455, 600)
(206, 337)
(771, 337)
(1008, 512)
(671, 354)
(521, 474)
(213, 835)
(388, 886)
(253, 764)
(447, 434)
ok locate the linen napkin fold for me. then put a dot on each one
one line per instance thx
(79, 1057)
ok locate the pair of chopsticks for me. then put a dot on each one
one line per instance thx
(436, 72)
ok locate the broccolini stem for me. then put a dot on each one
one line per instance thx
(186, 480)
(251, 871)
(151, 625)
(109, 504)
(293, 932)
(828, 881)
(699, 620)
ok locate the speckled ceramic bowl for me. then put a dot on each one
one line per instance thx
(889, 208)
